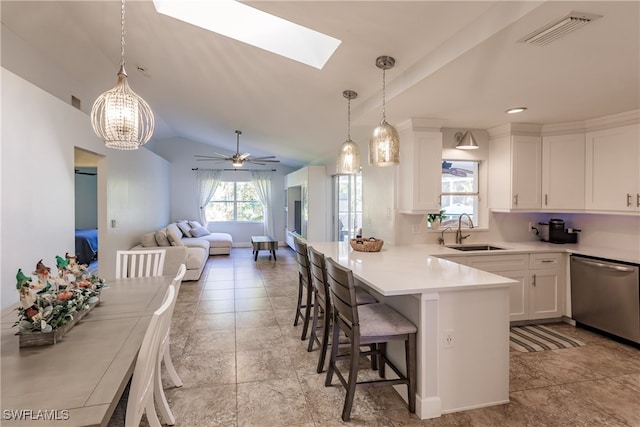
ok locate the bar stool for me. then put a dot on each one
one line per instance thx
(363, 325)
(322, 298)
(304, 284)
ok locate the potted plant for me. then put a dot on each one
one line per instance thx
(434, 219)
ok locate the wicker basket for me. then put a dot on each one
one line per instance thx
(366, 245)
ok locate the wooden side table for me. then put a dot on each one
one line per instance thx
(264, 243)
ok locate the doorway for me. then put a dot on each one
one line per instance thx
(86, 208)
(347, 206)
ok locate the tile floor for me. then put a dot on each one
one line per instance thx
(243, 364)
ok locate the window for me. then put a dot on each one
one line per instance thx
(459, 190)
(235, 201)
(347, 206)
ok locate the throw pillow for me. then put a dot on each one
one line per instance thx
(195, 224)
(161, 237)
(185, 228)
(148, 240)
(174, 235)
(199, 232)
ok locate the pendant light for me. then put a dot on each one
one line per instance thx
(120, 117)
(384, 145)
(465, 141)
(349, 156)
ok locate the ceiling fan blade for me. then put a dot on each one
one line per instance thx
(78, 172)
(265, 157)
(221, 157)
(255, 163)
(261, 159)
(213, 159)
(244, 156)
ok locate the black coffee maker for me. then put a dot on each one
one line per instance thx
(558, 234)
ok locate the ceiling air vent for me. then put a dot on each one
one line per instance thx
(558, 28)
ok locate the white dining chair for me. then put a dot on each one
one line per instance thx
(145, 263)
(164, 354)
(141, 393)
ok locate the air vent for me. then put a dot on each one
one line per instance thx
(75, 102)
(558, 28)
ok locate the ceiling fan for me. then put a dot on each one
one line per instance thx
(238, 159)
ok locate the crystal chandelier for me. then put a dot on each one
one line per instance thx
(120, 117)
(384, 145)
(349, 156)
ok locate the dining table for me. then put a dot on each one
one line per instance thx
(79, 380)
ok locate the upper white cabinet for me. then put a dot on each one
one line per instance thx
(515, 168)
(563, 172)
(613, 169)
(419, 173)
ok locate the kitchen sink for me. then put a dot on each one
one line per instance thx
(475, 248)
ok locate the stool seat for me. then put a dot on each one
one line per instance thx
(377, 320)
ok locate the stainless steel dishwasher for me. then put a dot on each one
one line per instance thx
(605, 295)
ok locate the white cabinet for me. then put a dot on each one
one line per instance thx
(563, 172)
(514, 267)
(612, 169)
(306, 204)
(419, 173)
(546, 290)
(515, 169)
(540, 288)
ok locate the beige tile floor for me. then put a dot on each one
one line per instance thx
(243, 364)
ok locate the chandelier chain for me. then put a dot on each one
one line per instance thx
(348, 119)
(122, 34)
(384, 115)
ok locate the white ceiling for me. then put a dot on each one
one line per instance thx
(458, 61)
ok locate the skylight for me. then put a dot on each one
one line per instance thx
(252, 26)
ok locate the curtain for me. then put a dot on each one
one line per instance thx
(262, 182)
(208, 180)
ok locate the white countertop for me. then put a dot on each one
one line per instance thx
(406, 270)
(415, 269)
(614, 254)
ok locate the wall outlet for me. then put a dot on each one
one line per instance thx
(416, 228)
(448, 340)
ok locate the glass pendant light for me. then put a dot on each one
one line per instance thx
(384, 145)
(349, 156)
(119, 116)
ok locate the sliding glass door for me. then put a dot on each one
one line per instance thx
(347, 206)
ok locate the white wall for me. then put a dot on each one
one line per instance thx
(39, 134)
(184, 202)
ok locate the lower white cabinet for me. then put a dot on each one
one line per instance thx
(546, 290)
(539, 291)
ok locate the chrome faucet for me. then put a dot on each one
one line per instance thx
(441, 238)
(459, 236)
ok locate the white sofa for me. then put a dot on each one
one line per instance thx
(194, 251)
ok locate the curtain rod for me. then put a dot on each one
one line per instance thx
(238, 170)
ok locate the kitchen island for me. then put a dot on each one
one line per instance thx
(462, 315)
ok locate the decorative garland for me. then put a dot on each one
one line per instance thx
(52, 300)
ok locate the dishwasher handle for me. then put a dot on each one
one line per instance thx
(620, 268)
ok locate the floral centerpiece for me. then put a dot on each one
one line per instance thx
(53, 303)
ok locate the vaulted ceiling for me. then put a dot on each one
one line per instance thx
(458, 61)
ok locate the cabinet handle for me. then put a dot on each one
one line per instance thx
(546, 199)
(515, 200)
(548, 260)
(440, 199)
(638, 200)
(628, 200)
(534, 280)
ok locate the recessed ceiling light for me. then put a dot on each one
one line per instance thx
(255, 27)
(515, 110)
